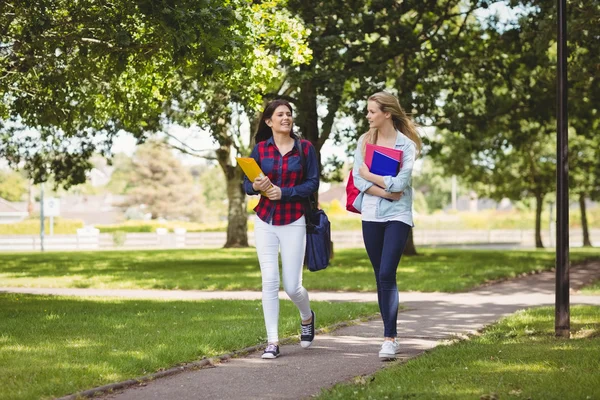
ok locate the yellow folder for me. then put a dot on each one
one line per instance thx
(250, 168)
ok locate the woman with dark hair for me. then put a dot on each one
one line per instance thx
(385, 204)
(280, 222)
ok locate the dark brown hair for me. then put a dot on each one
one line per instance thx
(264, 131)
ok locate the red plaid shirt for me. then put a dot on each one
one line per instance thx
(287, 173)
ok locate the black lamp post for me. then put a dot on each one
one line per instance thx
(562, 318)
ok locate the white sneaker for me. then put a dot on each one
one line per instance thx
(389, 349)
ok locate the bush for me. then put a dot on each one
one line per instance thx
(334, 207)
(151, 226)
(32, 227)
(118, 238)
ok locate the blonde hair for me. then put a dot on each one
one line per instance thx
(402, 122)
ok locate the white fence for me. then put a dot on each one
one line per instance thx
(341, 239)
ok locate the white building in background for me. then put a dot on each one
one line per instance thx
(11, 213)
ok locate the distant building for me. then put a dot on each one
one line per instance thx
(11, 212)
(473, 203)
(91, 209)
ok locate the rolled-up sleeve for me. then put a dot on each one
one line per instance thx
(401, 181)
(311, 181)
(360, 183)
(247, 184)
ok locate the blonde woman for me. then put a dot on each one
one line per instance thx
(385, 204)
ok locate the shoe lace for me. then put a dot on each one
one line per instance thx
(307, 330)
(271, 348)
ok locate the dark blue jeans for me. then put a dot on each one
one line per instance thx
(385, 242)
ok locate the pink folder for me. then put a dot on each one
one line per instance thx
(393, 153)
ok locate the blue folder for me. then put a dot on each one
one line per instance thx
(384, 165)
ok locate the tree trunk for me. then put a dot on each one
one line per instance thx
(539, 204)
(237, 226)
(307, 117)
(30, 199)
(584, 222)
(237, 219)
(410, 249)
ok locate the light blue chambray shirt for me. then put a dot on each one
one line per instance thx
(399, 183)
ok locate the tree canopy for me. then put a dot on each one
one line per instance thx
(73, 74)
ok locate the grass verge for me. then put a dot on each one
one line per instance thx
(444, 270)
(53, 346)
(592, 289)
(517, 358)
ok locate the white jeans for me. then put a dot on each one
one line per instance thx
(291, 239)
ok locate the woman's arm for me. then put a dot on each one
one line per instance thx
(377, 191)
(311, 181)
(361, 184)
(393, 183)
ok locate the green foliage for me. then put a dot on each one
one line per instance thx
(333, 208)
(13, 186)
(80, 72)
(420, 202)
(435, 185)
(214, 190)
(133, 226)
(119, 238)
(32, 227)
(120, 179)
(161, 185)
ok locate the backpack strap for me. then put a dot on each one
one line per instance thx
(310, 204)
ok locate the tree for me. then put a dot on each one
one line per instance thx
(12, 185)
(275, 36)
(79, 72)
(120, 178)
(499, 116)
(435, 184)
(162, 185)
(362, 47)
(214, 187)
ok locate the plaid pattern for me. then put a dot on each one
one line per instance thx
(285, 172)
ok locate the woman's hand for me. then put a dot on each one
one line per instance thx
(394, 196)
(274, 193)
(364, 172)
(261, 184)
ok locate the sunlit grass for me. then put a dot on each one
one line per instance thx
(592, 289)
(517, 358)
(446, 270)
(53, 346)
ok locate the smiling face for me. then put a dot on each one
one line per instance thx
(281, 121)
(375, 116)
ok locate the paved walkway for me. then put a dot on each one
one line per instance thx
(347, 352)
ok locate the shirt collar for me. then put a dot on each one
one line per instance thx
(400, 138)
(271, 142)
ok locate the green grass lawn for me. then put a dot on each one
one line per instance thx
(446, 270)
(593, 289)
(53, 346)
(518, 358)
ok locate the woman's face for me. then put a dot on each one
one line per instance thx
(375, 116)
(281, 121)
